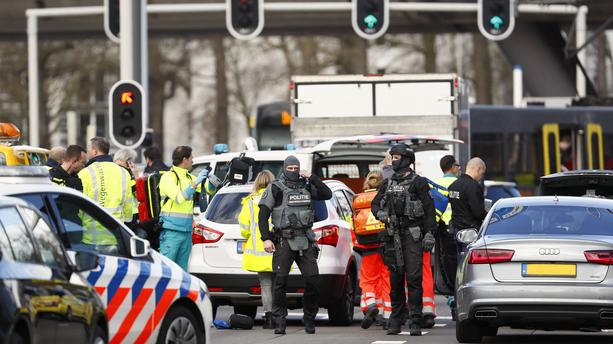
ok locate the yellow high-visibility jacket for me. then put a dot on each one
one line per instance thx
(177, 200)
(254, 257)
(108, 184)
(445, 182)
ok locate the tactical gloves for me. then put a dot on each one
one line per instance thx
(428, 242)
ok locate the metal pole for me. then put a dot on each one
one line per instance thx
(126, 46)
(580, 37)
(518, 85)
(144, 58)
(33, 96)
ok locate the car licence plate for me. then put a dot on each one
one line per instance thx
(548, 270)
(240, 246)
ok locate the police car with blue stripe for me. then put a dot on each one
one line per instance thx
(148, 298)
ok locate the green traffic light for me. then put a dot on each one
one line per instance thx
(496, 22)
(371, 21)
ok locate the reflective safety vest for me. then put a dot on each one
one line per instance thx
(445, 182)
(254, 257)
(108, 184)
(364, 221)
(176, 194)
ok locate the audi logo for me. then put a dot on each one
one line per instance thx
(549, 251)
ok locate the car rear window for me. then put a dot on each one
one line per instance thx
(225, 208)
(551, 220)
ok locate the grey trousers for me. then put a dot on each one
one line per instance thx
(266, 279)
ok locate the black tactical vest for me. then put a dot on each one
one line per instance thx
(405, 201)
(295, 211)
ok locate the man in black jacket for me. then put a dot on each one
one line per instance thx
(66, 173)
(467, 199)
(153, 157)
(404, 204)
(289, 201)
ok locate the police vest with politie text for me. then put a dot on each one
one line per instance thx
(294, 217)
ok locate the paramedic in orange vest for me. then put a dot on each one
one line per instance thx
(374, 275)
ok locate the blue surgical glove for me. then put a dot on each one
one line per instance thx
(202, 176)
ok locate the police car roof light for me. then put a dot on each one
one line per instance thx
(220, 148)
(24, 171)
(9, 134)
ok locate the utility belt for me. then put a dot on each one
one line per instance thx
(290, 233)
(297, 239)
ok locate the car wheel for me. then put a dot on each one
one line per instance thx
(341, 313)
(99, 336)
(180, 326)
(250, 311)
(16, 338)
(468, 331)
(490, 331)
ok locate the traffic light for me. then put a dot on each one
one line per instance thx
(496, 18)
(126, 114)
(111, 19)
(370, 18)
(245, 18)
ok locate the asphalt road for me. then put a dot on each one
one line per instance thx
(442, 333)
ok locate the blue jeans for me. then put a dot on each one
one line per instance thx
(176, 245)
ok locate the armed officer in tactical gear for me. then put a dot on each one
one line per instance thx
(289, 199)
(404, 204)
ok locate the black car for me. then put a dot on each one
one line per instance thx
(589, 183)
(42, 299)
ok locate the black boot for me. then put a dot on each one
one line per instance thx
(415, 327)
(427, 321)
(370, 316)
(309, 326)
(268, 322)
(394, 326)
(280, 326)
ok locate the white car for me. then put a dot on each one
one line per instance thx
(218, 245)
(148, 298)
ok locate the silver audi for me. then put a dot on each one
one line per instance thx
(537, 263)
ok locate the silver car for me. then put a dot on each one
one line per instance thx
(538, 263)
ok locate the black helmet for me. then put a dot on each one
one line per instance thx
(403, 150)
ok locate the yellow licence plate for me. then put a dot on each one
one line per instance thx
(549, 270)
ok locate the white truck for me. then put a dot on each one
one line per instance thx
(326, 107)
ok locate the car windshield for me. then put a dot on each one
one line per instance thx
(225, 208)
(551, 220)
(497, 192)
(275, 166)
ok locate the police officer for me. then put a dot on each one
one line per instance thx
(289, 199)
(466, 197)
(405, 197)
(66, 173)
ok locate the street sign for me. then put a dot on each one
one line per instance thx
(370, 18)
(245, 18)
(126, 110)
(496, 18)
(111, 19)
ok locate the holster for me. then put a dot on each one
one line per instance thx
(415, 233)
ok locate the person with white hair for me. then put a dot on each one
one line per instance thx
(125, 158)
(56, 155)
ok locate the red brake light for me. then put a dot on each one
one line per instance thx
(215, 289)
(255, 290)
(328, 235)
(599, 257)
(490, 256)
(205, 235)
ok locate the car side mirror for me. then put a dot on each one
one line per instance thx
(139, 247)
(84, 261)
(467, 236)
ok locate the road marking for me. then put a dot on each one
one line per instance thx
(440, 325)
(404, 333)
(389, 342)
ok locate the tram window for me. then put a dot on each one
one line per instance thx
(489, 148)
(608, 151)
